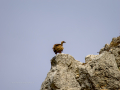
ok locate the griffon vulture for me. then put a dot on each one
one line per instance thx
(58, 48)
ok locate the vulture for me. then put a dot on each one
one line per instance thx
(58, 48)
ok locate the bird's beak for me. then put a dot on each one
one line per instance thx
(64, 42)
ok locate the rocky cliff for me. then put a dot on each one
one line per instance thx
(99, 72)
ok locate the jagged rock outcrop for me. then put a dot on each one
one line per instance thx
(113, 48)
(99, 72)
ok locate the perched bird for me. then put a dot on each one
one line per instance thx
(58, 48)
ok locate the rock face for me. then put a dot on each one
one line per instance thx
(99, 72)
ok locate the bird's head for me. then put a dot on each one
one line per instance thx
(63, 42)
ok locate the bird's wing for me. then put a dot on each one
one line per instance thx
(56, 45)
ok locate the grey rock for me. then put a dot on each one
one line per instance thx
(62, 75)
(89, 58)
(103, 71)
(99, 72)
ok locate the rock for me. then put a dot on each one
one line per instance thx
(99, 72)
(103, 71)
(89, 58)
(62, 75)
(113, 48)
(66, 73)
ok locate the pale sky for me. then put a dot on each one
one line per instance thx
(30, 28)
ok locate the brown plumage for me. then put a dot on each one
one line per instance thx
(58, 48)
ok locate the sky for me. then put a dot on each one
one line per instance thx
(30, 28)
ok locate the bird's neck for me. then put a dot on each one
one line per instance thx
(62, 43)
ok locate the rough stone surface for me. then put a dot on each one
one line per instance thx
(99, 72)
(113, 48)
(62, 75)
(104, 72)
